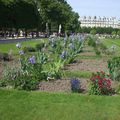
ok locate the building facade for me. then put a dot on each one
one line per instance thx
(89, 21)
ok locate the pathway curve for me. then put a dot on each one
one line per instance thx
(5, 41)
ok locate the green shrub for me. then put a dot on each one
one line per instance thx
(54, 69)
(4, 57)
(9, 76)
(29, 49)
(25, 76)
(97, 51)
(39, 46)
(103, 47)
(91, 42)
(117, 88)
(114, 68)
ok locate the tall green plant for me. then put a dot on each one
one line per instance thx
(53, 69)
(114, 68)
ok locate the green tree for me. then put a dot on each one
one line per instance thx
(26, 14)
(74, 24)
(118, 33)
(93, 32)
(113, 32)
(56, 12)
(6, 16)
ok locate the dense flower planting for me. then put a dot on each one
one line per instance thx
(100, 84)
(45, 64)
(48, 61)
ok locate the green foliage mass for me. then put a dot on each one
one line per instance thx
(114, 68)
(32, 15)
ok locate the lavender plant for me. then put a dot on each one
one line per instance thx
(75, 85)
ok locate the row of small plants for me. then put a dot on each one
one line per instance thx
(100, 82)
(98, 46)
(45, 64)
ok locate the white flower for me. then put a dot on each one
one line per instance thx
(18, 45)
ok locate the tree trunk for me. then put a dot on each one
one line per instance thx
(25, 33)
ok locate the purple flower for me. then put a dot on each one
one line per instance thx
(21, 52)
(75, 85)
(32, 60)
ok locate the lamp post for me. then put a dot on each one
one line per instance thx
(60, 29)
(47, 29)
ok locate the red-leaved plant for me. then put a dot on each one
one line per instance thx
(100, 84)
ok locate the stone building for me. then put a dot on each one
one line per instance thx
(89, 21)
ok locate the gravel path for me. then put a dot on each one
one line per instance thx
(5, 41)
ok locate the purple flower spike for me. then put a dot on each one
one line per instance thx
(32, 60)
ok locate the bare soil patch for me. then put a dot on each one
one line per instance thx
(92, 65)
(62, 85)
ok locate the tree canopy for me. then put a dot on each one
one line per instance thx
(34, 14)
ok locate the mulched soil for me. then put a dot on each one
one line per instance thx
(92, 65)
(62, 85)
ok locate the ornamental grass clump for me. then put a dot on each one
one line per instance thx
(100, 84)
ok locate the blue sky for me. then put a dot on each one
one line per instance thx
(109, 8)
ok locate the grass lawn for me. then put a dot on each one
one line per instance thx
(110, 42)
(77, 73)
(12, 46)
(21, 105)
